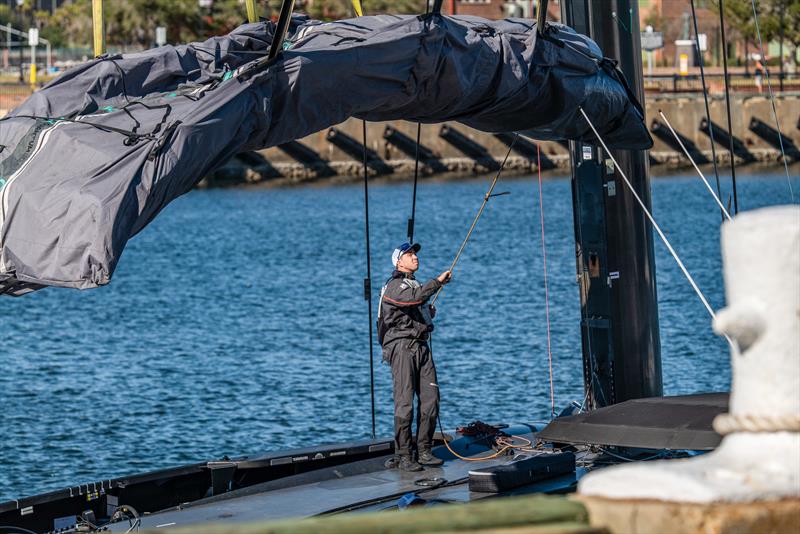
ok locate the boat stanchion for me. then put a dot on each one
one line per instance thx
(468, 147)
(751, 482)
(771, 136)
(355, 150)
(408, 146)
(722, 136)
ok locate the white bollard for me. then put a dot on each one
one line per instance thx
(759, 457)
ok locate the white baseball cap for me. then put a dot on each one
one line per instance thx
(402, 249)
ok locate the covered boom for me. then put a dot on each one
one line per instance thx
(89, 160)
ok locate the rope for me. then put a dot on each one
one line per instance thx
(654, 223)
(702, 177)
(772, 100)
(728, 104)
(368, 280)
(506, 444)
(728, 423)
(705, 99)
(478, 216)
(546, 290)
(414, 191)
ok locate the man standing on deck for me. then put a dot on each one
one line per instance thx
(404, 327)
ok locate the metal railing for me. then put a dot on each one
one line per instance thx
(715, 83)
(12, 95)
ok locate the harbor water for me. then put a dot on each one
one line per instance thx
(236, 324)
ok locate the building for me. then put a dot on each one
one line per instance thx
(673, 18)
(39, 5)
(500, 9)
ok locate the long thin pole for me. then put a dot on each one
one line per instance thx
(412, 220)
(98, 28)
(368, 280)
(251, 11)
(728, 103)
(705, 99)
(772, 99)
(541, 16)
(281, 28)
(783, 14)
(546, 287)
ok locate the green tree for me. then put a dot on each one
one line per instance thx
(132, 23)
(740, 22)
(6, 17)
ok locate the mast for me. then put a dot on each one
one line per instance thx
(614, 241)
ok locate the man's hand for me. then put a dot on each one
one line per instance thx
(444, 278)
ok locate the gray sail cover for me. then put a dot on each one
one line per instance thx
(89, 160)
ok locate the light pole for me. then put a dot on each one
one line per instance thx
(207, 6)
(20, 3)
(783, 13)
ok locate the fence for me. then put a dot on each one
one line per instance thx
(12, 95)
(715, 83)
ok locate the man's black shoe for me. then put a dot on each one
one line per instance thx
(426, 457)
(407, 463)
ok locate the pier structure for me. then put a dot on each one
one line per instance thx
(684, 111)
(751, 482)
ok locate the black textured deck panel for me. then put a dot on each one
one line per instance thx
(677, 423)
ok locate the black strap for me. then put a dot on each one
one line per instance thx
(368, 279)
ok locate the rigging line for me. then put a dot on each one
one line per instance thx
(412, 220)
(702, 177)
(414, 191)
(619, 21)
(368, 280)
(772, 99)
(705, 99)
(653, 222)
(728, 104)
(480, 212)
(546, 289)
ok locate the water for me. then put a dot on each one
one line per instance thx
(235, 324)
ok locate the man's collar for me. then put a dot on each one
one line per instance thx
(401, 274)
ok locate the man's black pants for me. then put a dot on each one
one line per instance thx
(413, 372)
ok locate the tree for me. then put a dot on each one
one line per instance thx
(132, 23)
(739, 18)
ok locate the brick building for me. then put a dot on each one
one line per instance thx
(674, 19)
(500, 9)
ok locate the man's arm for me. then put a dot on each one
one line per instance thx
(399, 293)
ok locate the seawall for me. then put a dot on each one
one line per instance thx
(323, 155)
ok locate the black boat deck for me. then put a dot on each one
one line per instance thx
(364, 485)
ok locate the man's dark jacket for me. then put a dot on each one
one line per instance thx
(403, 312)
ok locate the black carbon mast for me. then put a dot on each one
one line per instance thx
(614, 241)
